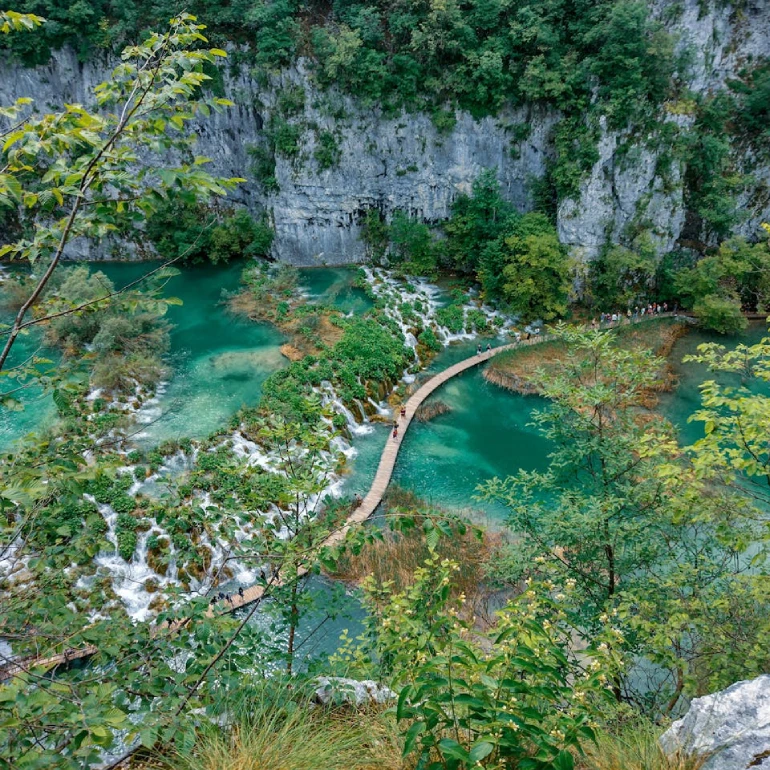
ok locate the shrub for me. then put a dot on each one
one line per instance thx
(452, 316)
(429, 339)
(125, 531)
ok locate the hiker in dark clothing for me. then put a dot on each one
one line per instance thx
(240, 591)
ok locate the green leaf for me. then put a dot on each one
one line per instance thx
(480, 750)
(411, 737)
(452, 749)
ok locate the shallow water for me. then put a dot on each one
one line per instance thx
(218, 361)
(334, 286)
(485, 434)
(684, 400)
(38, 408)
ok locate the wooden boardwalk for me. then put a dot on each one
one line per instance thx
(384, 471)
(390, 455)
(367, 507)
(24, 665)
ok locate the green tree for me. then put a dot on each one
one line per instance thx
(476, 220)
(719, 286)
(516, 696)
(76, 173)
(735, 417)
(527, 267)
(621, 514)
(623, 278)
(413, 250)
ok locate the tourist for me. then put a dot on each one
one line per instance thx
(489, 348)
(395, 433)
(665, 307)
(478, 350)
(262, 576)
(213, 600)
(403, 411)
(240, 591)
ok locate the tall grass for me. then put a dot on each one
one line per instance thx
(631, 747)
(297, 736)
(399, 554)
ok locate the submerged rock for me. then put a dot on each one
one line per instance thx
(728, 730)
(337, 689)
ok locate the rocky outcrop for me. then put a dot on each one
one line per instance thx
(404, 162)
(729, 730)
(334, 690)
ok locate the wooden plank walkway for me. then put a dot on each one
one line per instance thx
(46, 663)
(367, 507)
(390, 455)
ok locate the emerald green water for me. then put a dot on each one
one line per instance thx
(38, 410)
(218, 361)
(485, 434)
(334, 286)
(684, 400)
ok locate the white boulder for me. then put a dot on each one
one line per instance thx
(338, 689)
(728, 730)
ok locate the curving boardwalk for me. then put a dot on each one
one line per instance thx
(367, 507)
(387, 462)
(390, 455)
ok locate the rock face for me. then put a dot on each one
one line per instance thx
(729, 730)
(404, 162)
(337, 689)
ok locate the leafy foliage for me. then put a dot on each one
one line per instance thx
(192, 233)
(636, 529)
(720, 286)
(623, 278)
(517, 697)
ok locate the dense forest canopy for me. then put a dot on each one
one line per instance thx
(480, 53)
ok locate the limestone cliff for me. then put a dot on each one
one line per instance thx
(404, 162)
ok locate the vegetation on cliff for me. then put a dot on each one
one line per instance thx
(629, 554)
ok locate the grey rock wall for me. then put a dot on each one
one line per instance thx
(729, 730)
(403, 162)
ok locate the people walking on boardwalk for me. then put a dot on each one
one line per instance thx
(478, 350)
(240, 591)
(489, 347)
(403, 411)
(395, 433)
